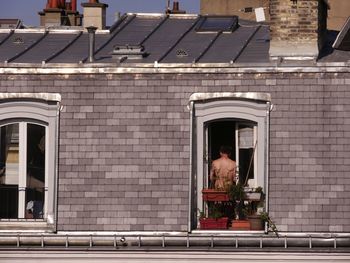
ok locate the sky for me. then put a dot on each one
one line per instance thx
(27, 10)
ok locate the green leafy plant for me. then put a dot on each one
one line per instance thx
(265, 217)
(201, 214)
(214, 212)
(237, 195)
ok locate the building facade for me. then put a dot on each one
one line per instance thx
(122, 144)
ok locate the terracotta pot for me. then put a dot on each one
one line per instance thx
(215, 195)
(211, 223)
(255, 222)
(240, 225)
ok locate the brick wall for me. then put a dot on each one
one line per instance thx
(124, 147)
(297, 28)
(294, 21)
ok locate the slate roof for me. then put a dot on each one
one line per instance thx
(165, 39)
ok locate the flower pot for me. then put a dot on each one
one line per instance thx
(240, 225)
(215, 195)
(252, 196)
(255, 222)
(211, 223)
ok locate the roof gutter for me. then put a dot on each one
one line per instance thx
(111, 68)
(165, 240)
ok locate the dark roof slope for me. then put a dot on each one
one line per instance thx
(184, 39)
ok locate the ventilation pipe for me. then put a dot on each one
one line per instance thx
(91, 30)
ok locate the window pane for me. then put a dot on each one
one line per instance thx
(9, 170)
(246, 153)
(35, 191)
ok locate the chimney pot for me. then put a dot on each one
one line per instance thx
(54, 4)
(175, 6)
(74, 5)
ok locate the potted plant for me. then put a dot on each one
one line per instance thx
(214, 195)
(256, 222)
(271, 226)
(215, 220)
(237, 196)
(253, 194)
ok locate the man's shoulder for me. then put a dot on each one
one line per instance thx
(232, 162)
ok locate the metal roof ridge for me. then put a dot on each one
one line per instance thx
(190, 16)
(53, 30)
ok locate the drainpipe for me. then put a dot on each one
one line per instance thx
(91, 30)
(189, 222)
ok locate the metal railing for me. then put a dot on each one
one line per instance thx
(180, 241)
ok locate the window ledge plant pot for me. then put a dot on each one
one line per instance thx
(256, 223)
(240, 225)
(215, 195)
(212, 223)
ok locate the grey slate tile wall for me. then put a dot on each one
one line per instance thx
(125, 147)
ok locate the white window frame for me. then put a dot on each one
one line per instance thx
(42, 109)
(207, 107)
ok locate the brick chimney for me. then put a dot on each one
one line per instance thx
(242, 8)
(60, 13)
(94, 14)
(298, 28)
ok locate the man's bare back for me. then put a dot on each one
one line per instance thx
(223, 171)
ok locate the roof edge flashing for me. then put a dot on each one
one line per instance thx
(189, 16)
(36, 96)
(255, 96)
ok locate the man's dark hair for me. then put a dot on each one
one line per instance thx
(226, 149)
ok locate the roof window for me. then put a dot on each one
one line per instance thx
(123, 52)
(343, 39)
(218, 23)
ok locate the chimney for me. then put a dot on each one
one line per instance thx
(244, 9)
(175, 10)
(94, 14)
(60, 13)
(298, 28)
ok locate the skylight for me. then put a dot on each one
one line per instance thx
(218, 23)
(343, 39)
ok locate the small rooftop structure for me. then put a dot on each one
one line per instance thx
(10, 23)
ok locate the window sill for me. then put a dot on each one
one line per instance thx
(26, 225)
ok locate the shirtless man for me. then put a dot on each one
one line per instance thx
(223, 170)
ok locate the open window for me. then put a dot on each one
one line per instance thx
(241, 137)
(237, 120)
(28, 152)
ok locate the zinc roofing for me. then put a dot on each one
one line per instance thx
(184, 39)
